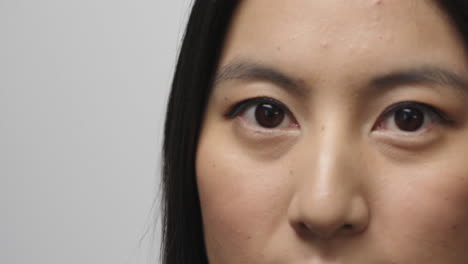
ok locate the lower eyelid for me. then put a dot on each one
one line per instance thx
(256, 134)
(405, 141)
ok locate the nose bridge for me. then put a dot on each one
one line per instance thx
(329, 200)
(332, 157)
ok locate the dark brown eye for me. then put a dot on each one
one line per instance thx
(409, 119)
(268, 115)
(264, 112)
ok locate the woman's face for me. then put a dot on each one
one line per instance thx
(337, 132)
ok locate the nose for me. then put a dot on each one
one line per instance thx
(329, 201)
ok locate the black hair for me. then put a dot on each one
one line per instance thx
(457, 10)
(182, 230)
(182, 234)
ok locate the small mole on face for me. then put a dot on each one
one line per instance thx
(300, 81)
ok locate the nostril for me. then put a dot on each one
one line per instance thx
(303, 227)
(307, 231)
(303, 230)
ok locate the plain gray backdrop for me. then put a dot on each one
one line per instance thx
(83, 89)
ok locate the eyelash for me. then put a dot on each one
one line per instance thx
(244, 105)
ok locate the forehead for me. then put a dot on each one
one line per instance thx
(318, 35)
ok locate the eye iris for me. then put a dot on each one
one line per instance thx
(268, 115)
(409, 119)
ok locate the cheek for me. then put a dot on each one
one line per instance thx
(243, 200)
(426, 217)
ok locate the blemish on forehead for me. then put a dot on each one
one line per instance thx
(324, 44)
(377, 2)
(387, 37)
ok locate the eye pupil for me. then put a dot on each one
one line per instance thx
(269, 115)
(409, 119)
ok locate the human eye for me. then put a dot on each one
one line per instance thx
(263, 113)
(410, 119)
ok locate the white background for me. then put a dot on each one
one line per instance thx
(83, 89)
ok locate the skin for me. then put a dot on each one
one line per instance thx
(338, 182)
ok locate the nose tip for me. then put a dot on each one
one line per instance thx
(325, 222)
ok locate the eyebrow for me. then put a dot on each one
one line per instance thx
(247, 70)
(426, 75)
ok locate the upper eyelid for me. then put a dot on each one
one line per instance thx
(240, 106)
(433, 110)
(394, 107)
